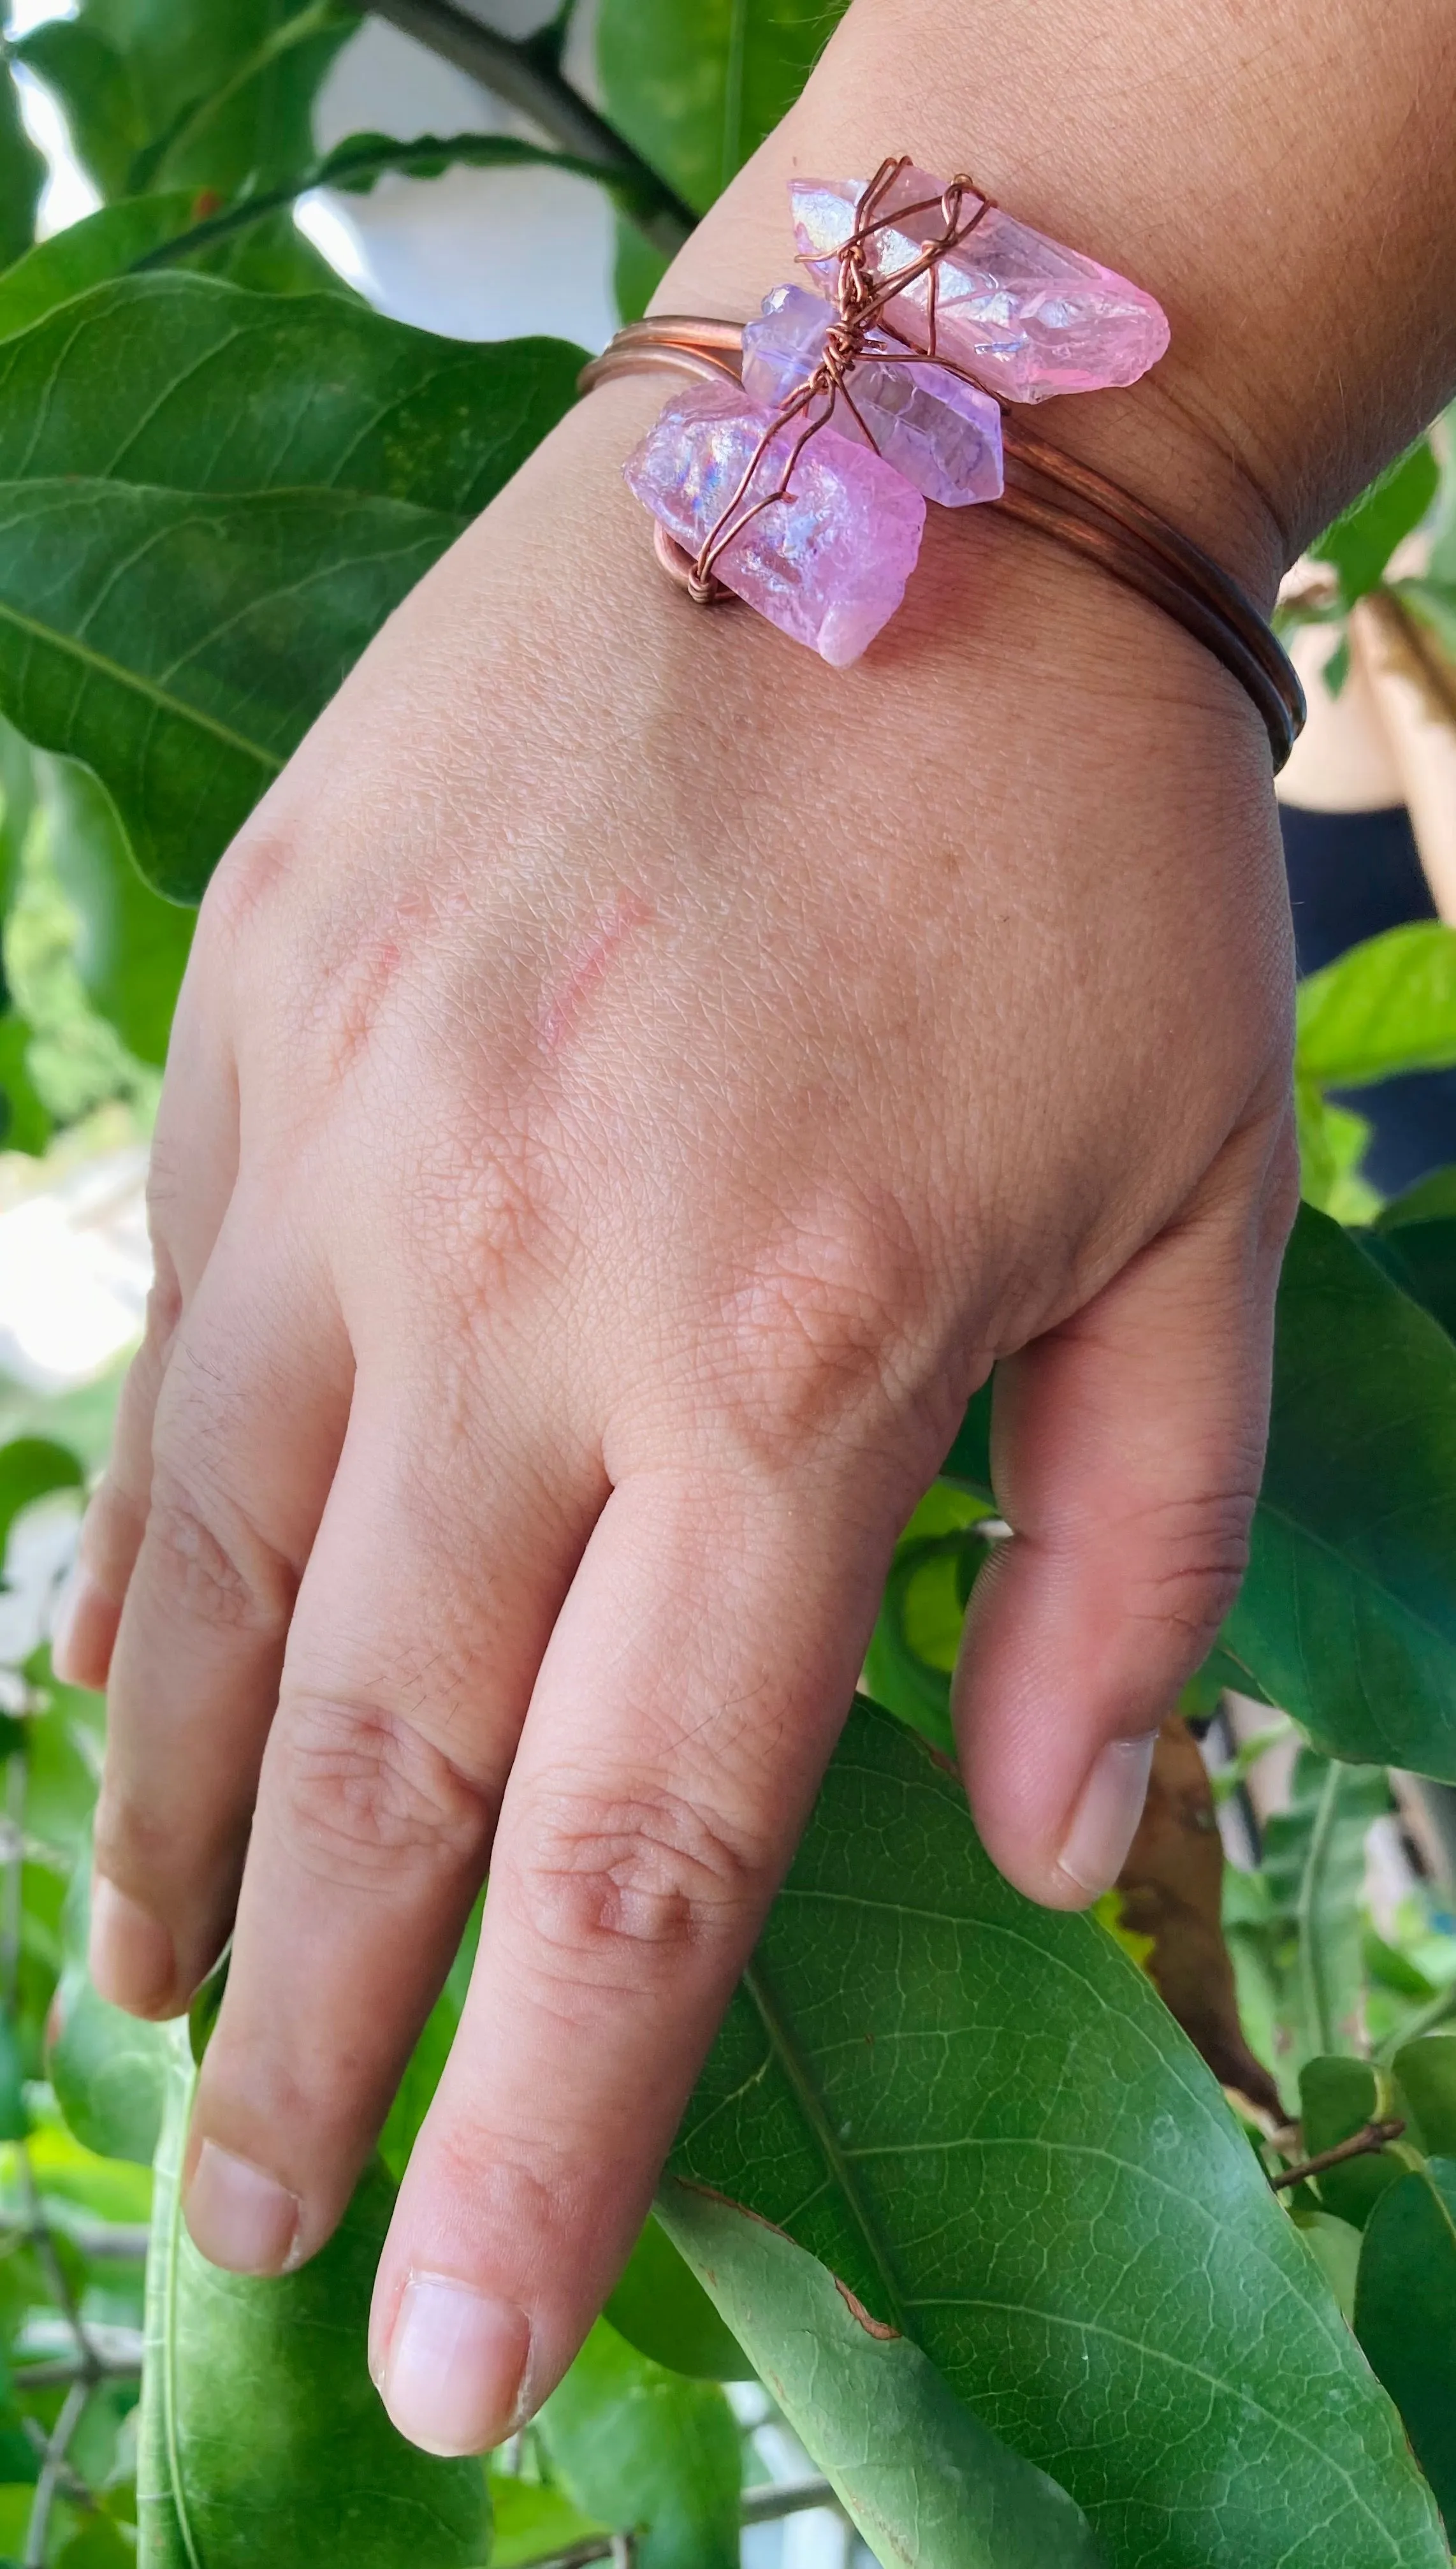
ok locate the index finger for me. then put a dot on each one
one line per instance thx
(685, 1709)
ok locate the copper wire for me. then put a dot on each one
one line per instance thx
(1045, 489)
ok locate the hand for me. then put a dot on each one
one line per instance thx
(630, 1083)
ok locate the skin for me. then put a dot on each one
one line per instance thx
(630, 1084)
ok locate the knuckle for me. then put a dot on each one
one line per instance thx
(1196, 1551)
(362, 1793)
(617, 1878)
(223, 1570)
(830, 1322)
(252, 869)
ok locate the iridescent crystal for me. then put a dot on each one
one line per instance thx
(829, 563)
(938, 430)
(1028, 316)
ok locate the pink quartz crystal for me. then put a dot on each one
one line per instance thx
(1026, 315)
(828, 565)
(938, 430)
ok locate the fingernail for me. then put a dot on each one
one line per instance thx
(452, 2374)
(238, 2215)
(1107, 1814)
(83, 1631)
(130, 1958)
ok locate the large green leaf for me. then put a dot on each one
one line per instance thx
(131, 946)
(187, 383)
(1420, 1257)
(1361, 542)
(180, 644)
(1314, 1873)
(262, 2437)
(209, 502)
(1405, 2314)
(647, 2452)
(979, 2115)
(1348, 1613)
(921, 2478)
(695, 85)
(1387, 1006)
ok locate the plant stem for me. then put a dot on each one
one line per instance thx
(1370, 2136)
(523, 72)
(1314, 1985)
(54, 2463)
(758, 2506)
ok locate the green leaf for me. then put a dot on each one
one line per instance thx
(647, 2452)
(426, 2065)
(91, 82)
(1337, 2097)
(695, 85)
(257, 124)
(181, 593)
(14, 2120)
(1336, 2248)
(981, 2117)
(1431, 1199)
(1348, 1613)
(31, 1467)
(1420, 1257)
(262, 2437)
(1361, 542)
(185, 383)
(1314, 1865)
(108, 2069)
(912, 1650)
(25, 1123)
(923, 2480)
(22, 176)
(131, 946)
(1405, 2315)
(1386, 1007)
(101, 246)
(181, 645)
(1425, 2074)
(661, 2309)
(534, 2520)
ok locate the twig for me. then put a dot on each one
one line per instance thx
(757, 2506)
(359, 160)
(88, 2360)
(38, 2530)
(525, 74)
(1370, 2136)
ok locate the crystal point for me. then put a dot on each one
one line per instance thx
(1028, 316)
(829, 563)
(940, 432)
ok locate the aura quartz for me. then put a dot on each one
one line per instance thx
(942, 434)
(829, 563)
(1028, 316)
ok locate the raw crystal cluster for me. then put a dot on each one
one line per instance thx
(827, 560)
(1028, 316)
(829, 563)
(938, 430)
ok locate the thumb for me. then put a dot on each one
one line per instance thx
(1127, 1448)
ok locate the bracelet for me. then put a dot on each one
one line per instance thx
(795, 472)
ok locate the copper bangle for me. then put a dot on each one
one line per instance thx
(1062, 498)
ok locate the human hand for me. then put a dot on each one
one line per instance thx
(630, 1083)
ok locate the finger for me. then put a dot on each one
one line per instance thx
(438, 1572)
(192, 1165)
(1127, 1452)
(669, 1758)
(249, 1418)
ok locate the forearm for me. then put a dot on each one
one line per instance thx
(1281, 179)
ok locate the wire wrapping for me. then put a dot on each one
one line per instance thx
(1045, 488)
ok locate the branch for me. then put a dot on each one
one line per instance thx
(38, 2530)
(524, 75)
(1370, 2136)
(757, 2506)
(356, 163)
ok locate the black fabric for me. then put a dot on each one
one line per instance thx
(1352, 875)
